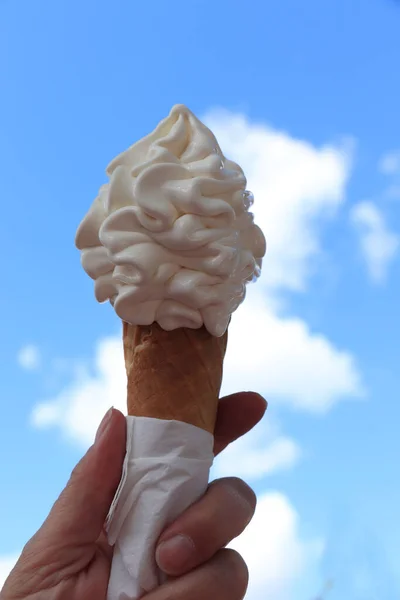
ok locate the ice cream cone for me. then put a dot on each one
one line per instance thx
(174, 375)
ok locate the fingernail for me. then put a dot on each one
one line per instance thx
(174, 554)
(104, 424)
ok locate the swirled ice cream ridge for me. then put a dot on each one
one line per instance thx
(170, 239)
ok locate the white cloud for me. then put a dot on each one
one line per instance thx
(78, 409)
(29, 357)
(390, 163)
(283, 359)
(276, 555)
(378, 244)
(6, 565)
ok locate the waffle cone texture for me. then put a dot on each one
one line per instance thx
(174, 375)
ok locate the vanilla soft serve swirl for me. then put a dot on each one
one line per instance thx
(170, 238)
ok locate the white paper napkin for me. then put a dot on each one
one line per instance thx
(166, 469)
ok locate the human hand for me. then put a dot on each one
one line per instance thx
(69, 557)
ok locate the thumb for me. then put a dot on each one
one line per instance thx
(78, 516)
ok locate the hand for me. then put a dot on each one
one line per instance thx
(69, 557)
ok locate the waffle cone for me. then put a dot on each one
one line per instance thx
(174, 375)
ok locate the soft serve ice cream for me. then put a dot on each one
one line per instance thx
(170, 239)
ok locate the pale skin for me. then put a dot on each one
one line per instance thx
(69, 557)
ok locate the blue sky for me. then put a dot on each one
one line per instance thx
(81, 82)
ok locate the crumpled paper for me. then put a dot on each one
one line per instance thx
(166, 469)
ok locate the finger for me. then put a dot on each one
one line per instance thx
(237, 414)
(78, 515)
(208, 525)
(224, 577)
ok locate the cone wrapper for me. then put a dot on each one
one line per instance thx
(166, 469)
(174, 380)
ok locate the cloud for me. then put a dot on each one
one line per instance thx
(283, 359)
(276, 554)
(389, 164)
(29, 357)
(6, 565)
(95, 387)
(378, 244)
